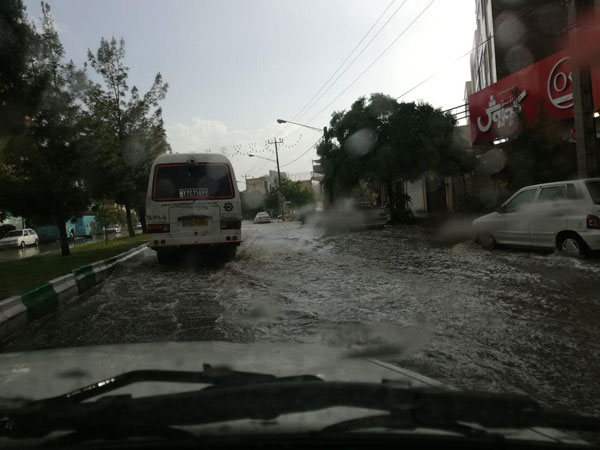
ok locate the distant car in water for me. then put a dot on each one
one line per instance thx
(262, 217)
(350, 215)
(19, 239)
(113, 228)
(368, 215)
(563, 215)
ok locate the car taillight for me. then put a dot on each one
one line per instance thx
(231, 224)
(593, 222)
(159, 228)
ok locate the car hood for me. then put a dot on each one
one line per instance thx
(47, 373)
(485, 218)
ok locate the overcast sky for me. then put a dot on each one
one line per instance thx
(235, 66)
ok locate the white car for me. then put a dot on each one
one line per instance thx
(262, 217)
(19, 239)
(563, 215)
(369, 216)
(355, 215)
(113, 228)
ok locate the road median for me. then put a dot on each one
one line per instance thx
(16, 311)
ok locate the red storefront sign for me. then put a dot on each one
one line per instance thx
(545, 86)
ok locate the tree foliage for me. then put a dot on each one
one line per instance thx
(67, 143)
(538, 154)
(41, 163)
(20, 87)
(127, 129)
(252, 203)
(292, 191)
(381, 140)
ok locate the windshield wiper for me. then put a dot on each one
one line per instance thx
(269, 399)
(218, 376)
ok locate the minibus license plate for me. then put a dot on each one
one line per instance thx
(195, 223)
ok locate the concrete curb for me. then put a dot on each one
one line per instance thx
(17, 311)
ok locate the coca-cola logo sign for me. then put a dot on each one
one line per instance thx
(560, 84)
(543, 88)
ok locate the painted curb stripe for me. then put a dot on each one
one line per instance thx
(65, 287)
(85, 278)
(18, 310)
(40, 300)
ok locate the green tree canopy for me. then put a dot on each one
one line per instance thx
(127, 129)
(540, 153)
(381, 140)
(41, 164)
(252, 203)
(20, 87)
(293, 191)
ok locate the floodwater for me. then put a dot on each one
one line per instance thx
(503, 320)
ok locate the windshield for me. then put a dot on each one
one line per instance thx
(182, 181)
(14, 234)
(389, 192)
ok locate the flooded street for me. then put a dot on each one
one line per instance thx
(505, 320)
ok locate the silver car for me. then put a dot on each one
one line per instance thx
(262, 217)
(19, 239)
(563, 215)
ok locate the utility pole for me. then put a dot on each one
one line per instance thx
(280, 141)
(583, 108)
(275, 141)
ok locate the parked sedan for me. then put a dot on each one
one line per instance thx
(19, 239)
(369, 216)
(563, 215)
(113, 228)
(262, 217)
(351, 215)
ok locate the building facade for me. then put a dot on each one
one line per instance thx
(260, 184)
(513, 34)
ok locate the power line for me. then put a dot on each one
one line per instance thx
(307, 150)
(369, 66)
(535, 6)
(310, 103)
(374, 61)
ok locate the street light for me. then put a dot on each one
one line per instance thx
(261, 157)
(324, 130)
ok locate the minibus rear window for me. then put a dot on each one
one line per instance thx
(192, 181)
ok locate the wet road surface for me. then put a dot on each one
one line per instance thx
(503, 320)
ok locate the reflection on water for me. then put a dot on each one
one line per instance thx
(10, 254)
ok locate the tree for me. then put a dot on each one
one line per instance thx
(540, 153)
(106, 213)
(42, 164)
(20, 87)
(127, 129)
(292, 191)
(252, 203)
(381, 140)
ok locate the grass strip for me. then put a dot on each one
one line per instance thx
(21, 275)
